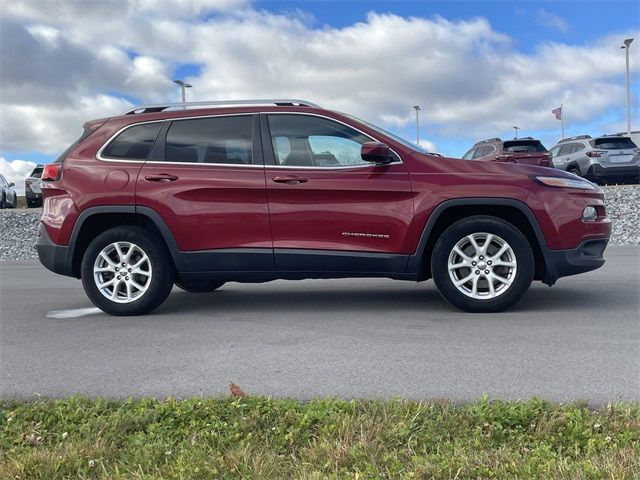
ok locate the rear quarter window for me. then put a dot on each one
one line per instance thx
(134, 143)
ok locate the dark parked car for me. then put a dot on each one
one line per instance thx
(8, 196)
(32, 191)
(527, 150)
(260, 190)
(606, 158)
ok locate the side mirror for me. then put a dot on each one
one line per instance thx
(376, 152)
(11, 184)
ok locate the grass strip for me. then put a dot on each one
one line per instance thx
(258, 437)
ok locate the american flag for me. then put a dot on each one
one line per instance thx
(557, 112)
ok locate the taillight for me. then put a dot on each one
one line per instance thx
(596, 153)
(51, 172)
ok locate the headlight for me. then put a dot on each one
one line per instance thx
(566, 182)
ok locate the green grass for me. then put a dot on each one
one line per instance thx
(256, 437)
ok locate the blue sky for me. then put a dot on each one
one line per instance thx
(585, 20)
(528, 23)
(475, 67)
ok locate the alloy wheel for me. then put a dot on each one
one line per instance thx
(122, 272)
(482, 266)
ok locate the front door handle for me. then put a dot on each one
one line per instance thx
(161, 177)
(290, 179)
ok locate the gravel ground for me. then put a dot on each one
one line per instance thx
(623, 204)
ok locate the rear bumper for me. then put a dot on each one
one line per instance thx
(589, 255)
(598, 171)
(56, 258)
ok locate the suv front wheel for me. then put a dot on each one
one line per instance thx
(126, 271)
(482, 264)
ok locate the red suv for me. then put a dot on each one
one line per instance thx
(526, 150)
(203, 194)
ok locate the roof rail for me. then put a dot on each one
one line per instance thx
(283, 102)
(577, 137)
(496, 139)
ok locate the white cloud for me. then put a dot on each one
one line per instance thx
(551, 20)
(49, 128)
(467, 77)
(16, 171)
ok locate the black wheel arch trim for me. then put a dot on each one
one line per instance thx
(415, 260)
(154, 216)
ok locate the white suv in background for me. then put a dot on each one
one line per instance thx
(606, 158)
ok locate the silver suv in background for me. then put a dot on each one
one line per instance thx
(606, 158)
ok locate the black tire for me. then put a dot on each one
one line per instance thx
(575, 171)
(521, 249)
(2, 200)
(199, 287)
(15, 202)
(161, 280)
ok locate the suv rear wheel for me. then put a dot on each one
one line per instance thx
(126, 271)
(482, 264)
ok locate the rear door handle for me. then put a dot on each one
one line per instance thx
(290, 179)
(161, 177)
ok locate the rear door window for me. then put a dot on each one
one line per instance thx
(482, 151)
(469, 154)
(134, 143)
(222, 140)
(565, 149)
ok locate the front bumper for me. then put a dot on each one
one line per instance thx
(589, 255)
(57, 258)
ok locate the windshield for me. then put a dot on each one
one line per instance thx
(523, 146)
(386, 133)
(614, 143)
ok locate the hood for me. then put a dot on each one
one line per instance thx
(436, 164)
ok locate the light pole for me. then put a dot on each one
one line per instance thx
(627, 44)
(184, 86)
(417, 108)
(516, 129)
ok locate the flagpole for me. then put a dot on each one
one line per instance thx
(562, 119)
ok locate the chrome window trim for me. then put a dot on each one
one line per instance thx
(194, 117)
(240, 165)
(337, 121)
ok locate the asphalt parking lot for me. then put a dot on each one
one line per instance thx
(373, 338)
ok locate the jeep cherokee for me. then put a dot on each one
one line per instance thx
(205, 193)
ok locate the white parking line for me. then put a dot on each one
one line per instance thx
(74, 313)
